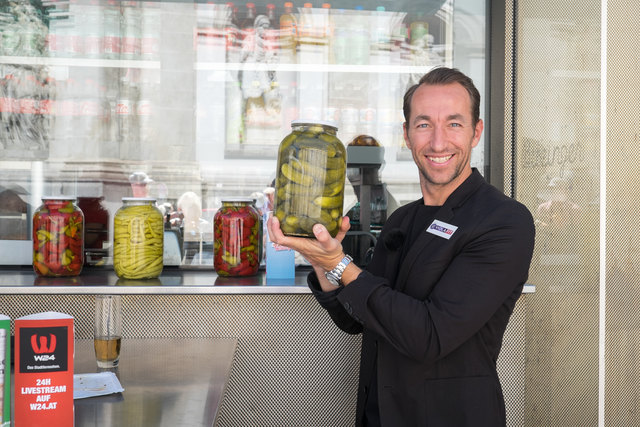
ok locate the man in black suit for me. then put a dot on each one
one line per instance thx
(436, 298)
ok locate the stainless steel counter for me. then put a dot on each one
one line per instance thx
(167, 382)
(172, 281)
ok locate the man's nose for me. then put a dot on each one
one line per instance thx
(438, 141)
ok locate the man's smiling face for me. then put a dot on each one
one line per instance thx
(440, 134)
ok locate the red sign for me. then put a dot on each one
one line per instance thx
(44, 370)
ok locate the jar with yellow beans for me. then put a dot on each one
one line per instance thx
(312, 164)
(138, 238)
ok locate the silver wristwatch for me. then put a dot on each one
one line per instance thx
(335, 275)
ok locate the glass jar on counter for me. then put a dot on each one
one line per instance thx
(58, 237)
(138, 239)
(310, 179)
(236, 245)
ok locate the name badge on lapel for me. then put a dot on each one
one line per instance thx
(441, 229)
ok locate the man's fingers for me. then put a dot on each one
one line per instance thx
(277, 236)
(275, 233)
(309, 248)
(345, 225)
(321, 233)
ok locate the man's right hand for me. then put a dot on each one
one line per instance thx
(323, 252)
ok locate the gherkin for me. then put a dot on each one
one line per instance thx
(312, 164)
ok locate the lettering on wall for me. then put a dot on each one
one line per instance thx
(536, 153)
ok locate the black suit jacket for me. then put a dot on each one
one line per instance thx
(435, 319)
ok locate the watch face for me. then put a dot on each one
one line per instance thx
(332, 279)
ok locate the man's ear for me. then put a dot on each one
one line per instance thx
(405, 136)
(477, 133)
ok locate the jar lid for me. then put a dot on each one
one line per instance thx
(238, 199)
(315, 122)
(138, 199)
(63, 198)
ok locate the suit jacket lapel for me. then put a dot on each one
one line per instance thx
(419, 246)
(445, 214)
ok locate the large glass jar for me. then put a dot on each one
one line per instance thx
(58, 237)
(138, 238)
(310, 179)
(236, 245)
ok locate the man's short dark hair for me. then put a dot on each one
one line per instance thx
(444, 76)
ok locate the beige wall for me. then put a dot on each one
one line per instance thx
(557, 173)
(623, 199)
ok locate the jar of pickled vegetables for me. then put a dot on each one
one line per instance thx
(58, 237)
(310, 179)
(236, 244)
(138, 238)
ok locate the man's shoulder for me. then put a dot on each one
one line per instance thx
(493, 203)
(403, 211)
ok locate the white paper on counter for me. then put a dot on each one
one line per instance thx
(95, 384)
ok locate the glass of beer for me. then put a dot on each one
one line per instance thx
(107, 334)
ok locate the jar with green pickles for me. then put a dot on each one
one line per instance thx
(312, 163)
(138, 239)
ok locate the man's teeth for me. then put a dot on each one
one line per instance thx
(440, 159)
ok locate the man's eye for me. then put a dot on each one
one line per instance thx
(456, 125)
(423, 125)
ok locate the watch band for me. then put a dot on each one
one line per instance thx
(335, 275)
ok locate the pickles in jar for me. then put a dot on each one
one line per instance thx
(310, 179)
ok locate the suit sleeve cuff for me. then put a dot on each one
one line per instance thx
(324, 298)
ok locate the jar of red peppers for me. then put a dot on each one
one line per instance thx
(236, 244)
(58, 237)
